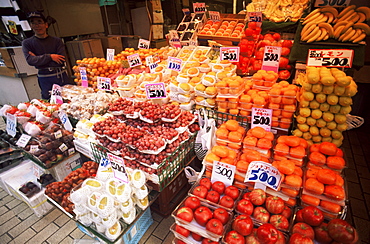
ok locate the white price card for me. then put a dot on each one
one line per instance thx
(261, 117)
(330, 57)
(134, 60)
(155, 91)
(230, 53)
(65, 120)
(143, 44)
(104, 83)
(223, 172)
(58, 134)
(332, 3)
(34, 148)
(214, 15)
(110, 54)
(11, 124)
(56, 95)
(271, 58)
(174, 63)
(83, 74)
(37, 171)
(151, 63)
(263, 173)
(71, 151)
(23, 140)
(118, 166)
(255, 17)
(63, 147)
(199, 7)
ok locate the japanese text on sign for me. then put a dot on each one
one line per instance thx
(255, 17)
(23, 140)
(271, 58)
(104, 83)
(155, 91)
(110, 54)
(261, 117)
(199, 7)
(223, 172)
(330, 57)
(134, 60)
(230, 53)
(11, 124)
(65, 121)
(118, 166)
(214, 15)
(56, 94)
(174, 63)
(151, 64)
(143, 44)
(263, 173)
(83, 76)
(332, 3)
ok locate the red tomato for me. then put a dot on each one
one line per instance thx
(285, 51)
(233, 237)
(299, 216)
(232, 192)
(208, 241)
(243, 224)
(312, 216)
(274, 204)
(213, 196)
(322, 234)
(303, 229)
(287, 43)
(281, 238)
(267, 233)
(185, 213)
(252, 238)
(246, 195)
(200, 191)
(218, 186)
(341, 231)
(284, 74)
(279, 221)
(192, 202)
(276, 36)
(257, 196)
(202, 215)
(283, 63)
(248, 32)
(182, 231)
(196, 236)
(245, 206)
(206, 182)
(252, 25)
(215, 226)
(227, 202)
(222, 215)
(299, 238)
(180, 241)
(287, 212)
(261, 214)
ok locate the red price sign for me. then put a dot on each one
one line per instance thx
(330, 57)
(199, 7)
(83, 74)
(261, 117)
(255, 17)
(271, 58)
(134, 60)
(230, 53)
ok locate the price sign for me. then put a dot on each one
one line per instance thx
(58, 134)
(223, 172)
(330, 57)
(271, 58)
(174, 63)
(83, 74)
(230, 53)
(214, 15)
(71, 151)
(110, 54)
(261, 117)
(11, 124)
(263, 173)
(23, 140)
(144, 44)
(199, 7)
(255, 17)
(151, 64)
(34, 148)
(63, 147)
(118, 166)
(104, 83)
(332, 3)
(155, 91)
(37, 171)
(65, 120)
(12, 27)
(56, 94)
(134, 60)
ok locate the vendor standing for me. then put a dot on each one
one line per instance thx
(46, 53)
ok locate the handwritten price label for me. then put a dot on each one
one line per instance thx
(83, 74)
(63, 147)
(255, 17)
(230, 53)
(34, 148)
(199, 7)
(110, 54)
(56, 95)
(23, 140)
(134, 60)
(271, 58)
(118, 166)
(214, 15)
(104, 83)
(11, 124)
(65, 121)
(174, 63)
(330, 57)
(143, 44)
(223, 172)
(261, 117)
(332, 3)
(155, 91)
(151, 64)
(263, 173)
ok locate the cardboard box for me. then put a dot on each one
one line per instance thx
(84, 49)
(128, 41)
(112, 42)
(157, 31)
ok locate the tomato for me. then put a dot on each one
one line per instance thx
(312, 216)
(206, 182)
(299, 238)
(222, 215)
(200, 191)
(287, 212)
(185, 213)
(215, 226)
(244, 206)
(180, 241)
(182, 231)
(252, 238)
(261, 214)
(281, 238)
(322, 234)
(279, 221)
(274, 204)
(226, 202)
(303, 229)
(233, 237)
(267, 233)
(202, 215)
(213, 196)
(246, 195)
(257, 196)
(192, 202)
(218, 186)
(341, 231)
(243, 224)
(208, 241)
(196, 236)
(232, 192)
(336, 162)
(299, 216)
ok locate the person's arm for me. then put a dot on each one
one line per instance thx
(32, 59)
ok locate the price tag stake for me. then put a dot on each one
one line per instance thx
(261, 117)
(223, 172)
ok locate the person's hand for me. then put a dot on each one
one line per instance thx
(57, 58)
(31, 53)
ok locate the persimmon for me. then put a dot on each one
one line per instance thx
(269, 136)
(293, 181)
(297, 152)
(310, 200)
(228, 161)
(292, 141)
(289, 192)
(220, 151)
(339, 181)
(222, 133)
(232, 154)
(264, 143)
(265, 159)
(339, 153)
(235, 146)
(298, 171)
(241, 130)
(314, 186)
(279, 158)
(221, 143)
(291, 202)
(328, 148)
(330, 206)
(275, 164)
(208, 174)
(312, 172)
(232, 125)
(239, 178)
(239, 185)
(242, 166)
(326, 176)
(317, 158)
(281, 149)
(286, 114)
(235, 136)
(212, 157)
(289, 107)
(250, 141)
(297, 163)
(258, 132)
(286, 167)
(334, 192)
(303, 143)
(314, 147)
(252, 155)
(335, 162)
(282, 139)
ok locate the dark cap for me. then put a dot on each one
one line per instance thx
(36, 15)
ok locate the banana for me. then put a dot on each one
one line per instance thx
(347, 15)
(326, 37)
(346, 10)
(357, 34)
(324, 32)
(312, 34)
(314, 37)
(339, 24)
(331, 10)
(310, 17)
(346, 27)
(330, 16)
(363, 26)
(360, 38)
(328, 27)
(337, 31)
(365, 10)
(316, 11)
(345, 37)
(307, 32)
(354, 18)
(323, 19)
(362, 17)
(306, 27)
(313, 19)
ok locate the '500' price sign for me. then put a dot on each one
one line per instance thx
(199, 7)
(155, 91)
(174, 63)
(271, 58)
(104, 83)
(223, 172)
(332, 3)
(134, 60)
(263, 173)
(330, 57)
(230, 53)
(261, 117)
(255, 17)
